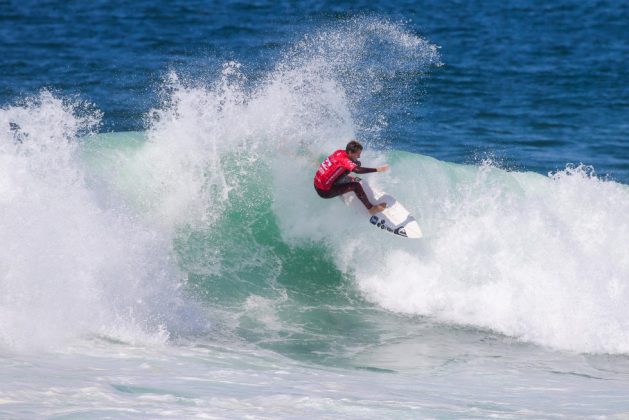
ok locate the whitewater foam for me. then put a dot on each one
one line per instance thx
(542, 259)
(70, 267)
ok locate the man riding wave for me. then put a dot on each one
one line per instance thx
(332, 177)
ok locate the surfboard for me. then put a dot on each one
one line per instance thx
(395, 218)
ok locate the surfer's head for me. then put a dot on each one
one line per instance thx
(353, 149)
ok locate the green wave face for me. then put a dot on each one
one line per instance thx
(279, 268)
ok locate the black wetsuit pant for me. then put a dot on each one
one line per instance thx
(342, 188)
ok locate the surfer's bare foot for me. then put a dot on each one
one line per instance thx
(377, 208)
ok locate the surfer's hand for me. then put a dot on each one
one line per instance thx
(383, 168)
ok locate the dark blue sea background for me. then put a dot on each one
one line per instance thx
(532, 85)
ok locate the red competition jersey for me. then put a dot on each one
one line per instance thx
(332, 168)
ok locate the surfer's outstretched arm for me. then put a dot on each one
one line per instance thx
(361, 170)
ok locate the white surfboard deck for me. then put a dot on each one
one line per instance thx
(394, 218)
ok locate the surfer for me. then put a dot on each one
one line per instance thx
(332, 178)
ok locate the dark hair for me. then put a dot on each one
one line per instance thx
(353, 146)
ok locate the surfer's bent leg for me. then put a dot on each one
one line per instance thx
(339, 189)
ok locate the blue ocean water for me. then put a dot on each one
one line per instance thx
(164, 256)
(534, 84)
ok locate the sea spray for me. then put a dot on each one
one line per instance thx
(309, 103)
(70, 267)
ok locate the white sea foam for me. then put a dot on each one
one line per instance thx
(544, 259)
(69, 266)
